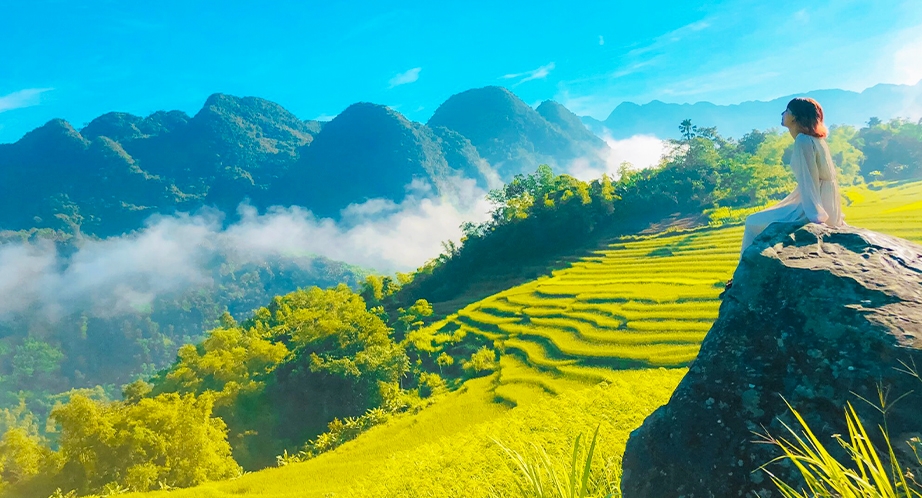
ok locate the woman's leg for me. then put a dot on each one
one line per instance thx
(756, 223)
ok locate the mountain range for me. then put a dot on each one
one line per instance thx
(108, 177)
(884, 101)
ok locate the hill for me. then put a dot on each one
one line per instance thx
(76, 325)
(512, 136)
(371, 151)
(842, 107)
(543, 374)
(110, 176)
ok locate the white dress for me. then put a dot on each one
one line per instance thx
(816, 198)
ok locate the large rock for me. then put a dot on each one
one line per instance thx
(817, 315)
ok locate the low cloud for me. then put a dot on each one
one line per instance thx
(641, 151)
(172, 254)
(23, 98)
(406, 77)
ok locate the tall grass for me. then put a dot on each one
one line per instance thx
(871, 474)
(542, 477)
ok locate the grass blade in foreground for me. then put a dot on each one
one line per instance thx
(575, 484)
(827, 477)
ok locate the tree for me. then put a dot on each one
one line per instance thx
(845, 155)
(687, 130)
(444, 360)
(751, 141)
(338, 346)
(23, 455)
(484, 360)
(414, 315)
(170, 438)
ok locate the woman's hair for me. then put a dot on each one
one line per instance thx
(809, 115)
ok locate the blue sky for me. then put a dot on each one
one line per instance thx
(77, 60)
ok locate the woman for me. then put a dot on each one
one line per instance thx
(816, 198)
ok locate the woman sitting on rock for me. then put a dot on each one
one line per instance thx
(816, 198)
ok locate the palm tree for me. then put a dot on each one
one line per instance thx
(688, 131)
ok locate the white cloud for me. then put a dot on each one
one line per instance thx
(171, 254)
(22, 98)
(601, 40)
(641, 151)
(325, 117)
(634, 67)
(535, 74)
(405, 77)
(750, 74)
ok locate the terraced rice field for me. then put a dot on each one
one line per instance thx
(644, 301)
(641, 302)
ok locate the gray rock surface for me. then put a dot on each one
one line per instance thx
(817, 315)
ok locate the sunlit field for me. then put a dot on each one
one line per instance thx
(603, 342)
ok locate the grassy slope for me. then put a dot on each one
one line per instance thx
(615, 315)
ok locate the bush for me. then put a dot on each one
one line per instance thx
(484, 360)
(430, 383)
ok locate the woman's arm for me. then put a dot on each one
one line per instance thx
(803, 162)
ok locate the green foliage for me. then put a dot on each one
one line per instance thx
(103, 446)
(541, 216)
(871, 474)
(340, 431)
(414, 315)
(18, 417)
(430, 384)
(277, 379)
(228, 362)
(846, 156)
(574, 480)
(304, 350)
(35, 359)
(483, 361)
(40, 359)
(168, 438)
(23, 455)
(377, 287)
(891, 151)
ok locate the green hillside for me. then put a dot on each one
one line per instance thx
(618, 315)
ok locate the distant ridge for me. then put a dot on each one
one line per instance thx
(884, 101)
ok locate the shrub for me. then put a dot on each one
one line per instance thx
(484, 360)
(430, 383)
(871, 474)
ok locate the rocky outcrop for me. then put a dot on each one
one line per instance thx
(817, 316)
